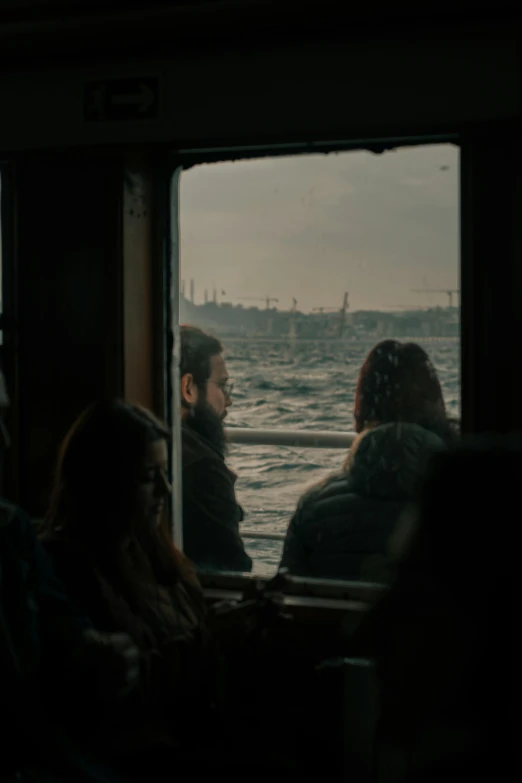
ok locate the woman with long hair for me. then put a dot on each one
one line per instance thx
(341, 527)
(105, 530)
(398, 383)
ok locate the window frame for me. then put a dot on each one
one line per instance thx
(215, 583)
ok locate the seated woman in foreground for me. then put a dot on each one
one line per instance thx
(341, 527)
(104, 531)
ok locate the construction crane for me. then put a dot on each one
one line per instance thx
(342, 312)
(292, 330)
(267, 299)
(448, 291)
(332, 309)
(344, 308)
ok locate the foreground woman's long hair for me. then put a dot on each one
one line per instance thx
(93, 500)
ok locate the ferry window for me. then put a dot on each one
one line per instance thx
(300, 265)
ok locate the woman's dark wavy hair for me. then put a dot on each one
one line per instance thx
(98, 469)
(398, 382)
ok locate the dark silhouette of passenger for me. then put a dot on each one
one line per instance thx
(341, 527)
(442, 635)
(106, 533)
(211, 513)
(51, 659)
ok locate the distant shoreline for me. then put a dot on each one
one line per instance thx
(300, 340)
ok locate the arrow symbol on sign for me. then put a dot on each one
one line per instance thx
(143, 99)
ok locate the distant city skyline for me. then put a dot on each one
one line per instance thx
(312, 227)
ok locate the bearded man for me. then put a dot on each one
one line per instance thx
(211, 513)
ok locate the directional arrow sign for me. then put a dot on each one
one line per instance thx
(121, 100)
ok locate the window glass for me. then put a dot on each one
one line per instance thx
(300, 265)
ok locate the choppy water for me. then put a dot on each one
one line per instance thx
(306, 386)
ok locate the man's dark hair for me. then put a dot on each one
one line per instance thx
(197, 350)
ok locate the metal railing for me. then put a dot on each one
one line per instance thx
(311, 439)
(262, 536)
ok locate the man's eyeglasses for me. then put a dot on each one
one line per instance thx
(226, 387)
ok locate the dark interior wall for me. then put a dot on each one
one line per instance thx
(146, 257)
(407, 82)
(69, 334)
(491, 283)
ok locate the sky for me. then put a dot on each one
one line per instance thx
(314, 226)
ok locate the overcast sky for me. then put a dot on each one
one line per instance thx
(315, 226)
